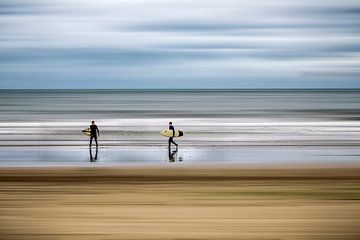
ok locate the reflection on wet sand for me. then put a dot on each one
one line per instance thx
(172, 154)
(179, 203)
(93, 159)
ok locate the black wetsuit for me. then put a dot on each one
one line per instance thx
(94, 131)
(171, 138)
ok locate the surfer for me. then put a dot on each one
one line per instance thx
(94, 133)
(171, 127)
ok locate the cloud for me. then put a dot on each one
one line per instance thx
(157, 43)
(23, 7)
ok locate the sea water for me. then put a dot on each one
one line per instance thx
(221, 126)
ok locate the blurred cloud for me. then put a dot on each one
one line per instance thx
(183, 44)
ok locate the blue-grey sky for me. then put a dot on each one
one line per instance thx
(179, 44)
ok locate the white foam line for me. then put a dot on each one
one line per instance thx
(179, 122)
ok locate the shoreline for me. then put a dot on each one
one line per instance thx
(184, 156)
(175, 173)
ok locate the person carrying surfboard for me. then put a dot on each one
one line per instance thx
(94, 133)
(171, 127)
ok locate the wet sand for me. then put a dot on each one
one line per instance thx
(219, 202)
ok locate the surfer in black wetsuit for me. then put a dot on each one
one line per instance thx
(171, 127)
(94, 133)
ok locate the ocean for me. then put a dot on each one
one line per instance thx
(42, 127)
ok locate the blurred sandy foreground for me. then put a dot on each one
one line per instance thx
(179, 203)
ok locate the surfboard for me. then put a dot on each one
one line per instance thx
(169, 133)
(86, 131)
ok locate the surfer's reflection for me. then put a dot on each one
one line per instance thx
(93, 159)
(173, 156)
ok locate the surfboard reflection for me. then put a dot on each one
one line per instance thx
(92, 158)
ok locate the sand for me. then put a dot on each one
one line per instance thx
(179, 203)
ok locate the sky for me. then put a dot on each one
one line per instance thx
(148, 44)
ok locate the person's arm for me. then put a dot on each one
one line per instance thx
(98, 132)
(173, 129)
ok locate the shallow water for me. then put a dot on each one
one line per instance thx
(135, 156)
(44, 126)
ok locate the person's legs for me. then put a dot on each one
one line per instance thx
(175, 143)
(171, 140)
(96, 141)
(91, 138)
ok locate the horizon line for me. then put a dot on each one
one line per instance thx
(176, 89)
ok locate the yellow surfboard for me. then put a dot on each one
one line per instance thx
(86, 131)
(169, 133)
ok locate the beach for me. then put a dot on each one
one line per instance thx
(179, 203)
(258, 165)
(179, 120)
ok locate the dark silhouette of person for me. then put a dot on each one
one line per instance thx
(93, 159)
(172, 155)
(94, 133)
(171, 127)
